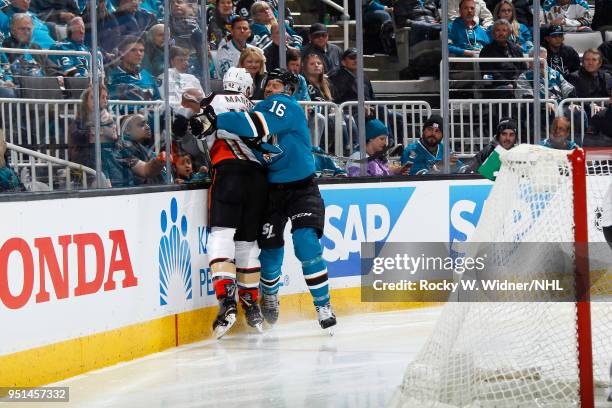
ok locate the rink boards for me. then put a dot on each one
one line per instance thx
(88, 282)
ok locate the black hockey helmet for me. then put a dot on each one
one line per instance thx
(288, 78)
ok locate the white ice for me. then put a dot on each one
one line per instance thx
(291, 365)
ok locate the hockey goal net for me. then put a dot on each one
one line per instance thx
(528, 354)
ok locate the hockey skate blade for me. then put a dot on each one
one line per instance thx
(330, 331)
(220, 330)
(259, 328)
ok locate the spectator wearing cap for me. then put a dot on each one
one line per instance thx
(505, 136)
(263, 18)
(377, 139)
(40, 35)
(465, 37)
(561, 57)
(425, 156)
(344, 80)
(503, 75)
(231, 47)
(572, 15)
(482, 15)
(331, 54)
(131, 19)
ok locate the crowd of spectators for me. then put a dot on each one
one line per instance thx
(245, 33)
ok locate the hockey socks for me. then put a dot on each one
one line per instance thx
(308, 250)
(271, 262)
(223, 277)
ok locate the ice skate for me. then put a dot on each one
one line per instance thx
(253, 316)
(326, 317)
(269, 307)
(225, 318)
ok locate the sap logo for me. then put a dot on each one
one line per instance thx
(174, 257)
(353, 216)
(465, 208)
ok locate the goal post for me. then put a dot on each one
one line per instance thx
(520, 353)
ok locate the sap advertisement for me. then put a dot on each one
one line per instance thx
(80, 266)
(428, 211)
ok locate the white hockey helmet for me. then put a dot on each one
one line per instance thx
(238, 80)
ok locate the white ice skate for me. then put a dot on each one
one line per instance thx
(326, 317)
(225, 318)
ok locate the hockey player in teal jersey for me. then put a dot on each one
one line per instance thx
(280, 123)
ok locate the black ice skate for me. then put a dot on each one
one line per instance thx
(253, 316)
(225, 318)
(326, 317)
(251, 311)
(269, 307)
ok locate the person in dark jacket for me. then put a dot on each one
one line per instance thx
(506, 136)
(600, 132)
(502, 75)
(590, 81)
(219, 24)
(133, 20)
(561, 57)
(320, 45)
(56, 11)
(606, 53)
(344, 80)
(602, 19)
(153, 60)
(109, 34)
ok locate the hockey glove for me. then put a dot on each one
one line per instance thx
(204, 123)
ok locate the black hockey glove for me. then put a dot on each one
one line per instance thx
(204, 123)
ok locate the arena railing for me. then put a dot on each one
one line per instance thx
(318, 114)
(473, 122)
(592, 104)
(71, 170)
(404, 119)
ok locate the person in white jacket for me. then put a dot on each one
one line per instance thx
(573, 15)
(179, 79)
(483, 16)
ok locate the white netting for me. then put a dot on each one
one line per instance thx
(513, 354)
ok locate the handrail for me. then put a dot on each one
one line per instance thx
(43, 52)
(345, 17)
(61, 162)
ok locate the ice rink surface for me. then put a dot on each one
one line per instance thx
(293, 365)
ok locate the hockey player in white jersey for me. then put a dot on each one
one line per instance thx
(236, 204)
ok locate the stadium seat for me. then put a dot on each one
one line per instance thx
(75, 87)
(39, 88)
(583, 41)
(608, 36)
